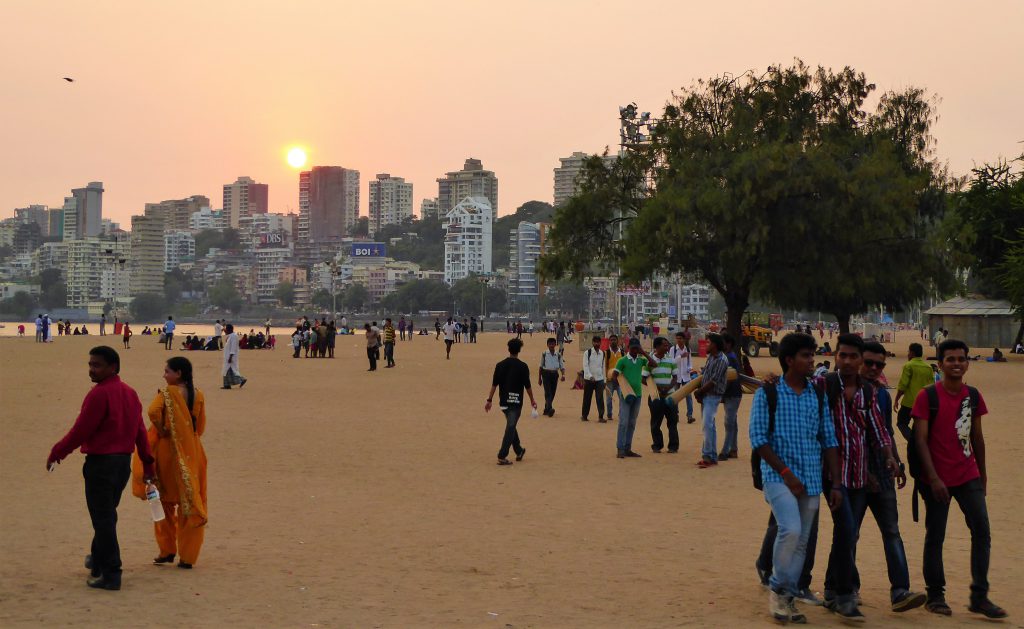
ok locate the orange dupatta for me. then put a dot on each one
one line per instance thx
(188, 469)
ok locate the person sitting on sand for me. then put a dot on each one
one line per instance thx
(77, 332)
(84, 330)
(997, 356)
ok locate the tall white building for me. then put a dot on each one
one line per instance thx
(83, 212)
(467, 240)
(269, 262)
(390, 201)
(179, 248)
(526, 244)
(569, 169)
(693, 299)
(89, 260)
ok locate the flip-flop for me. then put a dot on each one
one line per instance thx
(504, 462)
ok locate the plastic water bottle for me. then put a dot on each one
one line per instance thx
(153, 497)
(534, 414)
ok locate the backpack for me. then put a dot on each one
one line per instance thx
(913, 458)
(771, 395)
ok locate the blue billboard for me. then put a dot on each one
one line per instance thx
(369, 250)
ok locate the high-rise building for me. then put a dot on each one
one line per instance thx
(244, 198)
(270, 229)
(428, 208)
(178, 213)
(89, 259)
(471, 181)
(56, 229)
(147, 252)
(390, 201)
(269, 262)
(467, 240)
(527, 243)
(179, 248)
(328, 210)
(83, 212)
(38, 214)
(566, 185)
(206, 218)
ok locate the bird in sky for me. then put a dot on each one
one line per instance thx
(69, 79)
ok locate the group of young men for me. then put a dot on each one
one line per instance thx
(833, 434)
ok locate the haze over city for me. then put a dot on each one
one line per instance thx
(176, 99)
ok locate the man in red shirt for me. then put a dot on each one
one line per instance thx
(108, 429)
(951, 449)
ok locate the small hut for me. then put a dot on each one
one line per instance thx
(978, 322)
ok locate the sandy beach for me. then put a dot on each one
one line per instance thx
(341, 498)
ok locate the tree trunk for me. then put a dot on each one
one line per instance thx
(844, 323)
(735, 306)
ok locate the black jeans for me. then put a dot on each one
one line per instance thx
(971, 498)
(764, 560)
(389, 353)
(883, 507)
(839, 573)
(105, 478)
(903, 423)
(550, 380)
(371, 353)
(169, 340)
(511, 438)
(659, 411)
(593, 388)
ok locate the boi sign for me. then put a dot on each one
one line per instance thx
(369, 250)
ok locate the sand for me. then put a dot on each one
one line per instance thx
(341, 498)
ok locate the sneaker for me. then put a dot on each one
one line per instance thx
(602, 421)
(987, 608)
(778, 606)
(849, 611)
(103, 583)
(807, 596)
(632, 455)
(795, 615)
(905, 601)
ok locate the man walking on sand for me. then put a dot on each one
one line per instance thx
(169, 333)
(389, 343)
(450, 332)
(709, 396)
(551, 363)
(108, 429)
(680, 353)
(949, 441)
(662, 373)
(631, 367)
(229, 368)
(593, 380)
(611, 386)
(915, 376)
(511, 377)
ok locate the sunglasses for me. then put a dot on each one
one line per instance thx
(874, 363)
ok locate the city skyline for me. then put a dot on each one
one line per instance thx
(155, 120)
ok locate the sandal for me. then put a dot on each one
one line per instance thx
(987, 608)
(504, 462)
(705, 463)
(939, 607)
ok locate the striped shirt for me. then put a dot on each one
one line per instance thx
(714, 371)
(389, 333)
(858, 424)
(662, 372)
(800, 434)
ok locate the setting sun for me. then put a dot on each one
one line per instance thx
(296, 157)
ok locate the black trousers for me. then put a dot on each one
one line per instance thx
(903, 423)
(839, 574)
(662, 411)
(971, 498)
(764, 560)
(511, 436)
(371, 353)
(106, 476)
(169, 341)
(593, 388)
(550, 379)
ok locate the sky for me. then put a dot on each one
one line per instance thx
(172, 99)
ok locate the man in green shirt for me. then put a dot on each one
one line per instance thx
(632, 367)
(916, 375)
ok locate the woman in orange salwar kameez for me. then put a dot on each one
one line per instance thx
(178, 416)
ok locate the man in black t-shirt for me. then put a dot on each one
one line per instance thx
(511, 377)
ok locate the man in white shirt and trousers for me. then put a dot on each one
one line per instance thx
(593, 380)
(680, 353)
(230, 367)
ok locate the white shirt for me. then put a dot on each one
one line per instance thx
(593, 365)
(449, 331)
(551, 360)
(230, 354)
(217, 329)
(684, 363)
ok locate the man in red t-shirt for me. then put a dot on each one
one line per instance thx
(951, 449)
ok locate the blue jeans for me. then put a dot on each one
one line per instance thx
(883, 506)
(628, 412)
(795, 516)
(610, 388)
(732, 407)
(710, 407)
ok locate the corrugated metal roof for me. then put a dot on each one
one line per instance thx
(967, 307)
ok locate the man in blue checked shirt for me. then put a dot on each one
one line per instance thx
(791, 466)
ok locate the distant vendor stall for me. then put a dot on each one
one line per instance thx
(979, 322)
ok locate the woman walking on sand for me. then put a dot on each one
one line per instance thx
(178, 420)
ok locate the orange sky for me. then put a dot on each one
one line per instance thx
(177, 98)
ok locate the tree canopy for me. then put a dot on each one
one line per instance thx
(765, 186)
(419, 295)
(148, 307)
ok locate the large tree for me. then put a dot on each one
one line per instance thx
(750, 182)
(419, 295)
(148, 307)
(285, 293)
(224, 294)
